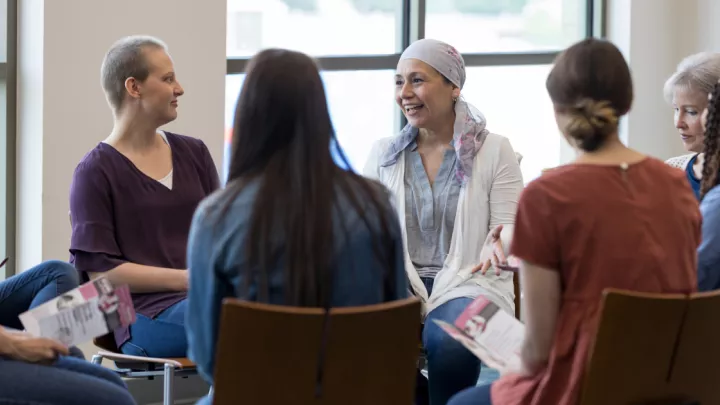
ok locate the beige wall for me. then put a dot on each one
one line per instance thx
(62, 110)
(655, 35)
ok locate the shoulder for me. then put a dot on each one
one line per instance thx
(186, 143)
(496, 150)
(229, 199)
(669, 173)
(680, 162)
(498, 145)
(382, 145)
(95, 163)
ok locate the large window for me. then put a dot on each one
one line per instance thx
(508, 47)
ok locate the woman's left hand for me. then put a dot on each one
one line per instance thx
(493, 250)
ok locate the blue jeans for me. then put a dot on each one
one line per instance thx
(162, 336)
(473, 396)
(67, 382)
(451, 367)
(34, 287)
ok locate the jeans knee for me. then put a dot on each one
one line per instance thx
(441, 344)
(444, 352)
(60, 270)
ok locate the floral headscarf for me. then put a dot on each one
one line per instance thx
(469, 130)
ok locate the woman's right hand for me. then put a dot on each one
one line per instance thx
(31, 349)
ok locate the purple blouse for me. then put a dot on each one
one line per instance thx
(120, 215)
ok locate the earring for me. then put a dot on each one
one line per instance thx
(455, 99)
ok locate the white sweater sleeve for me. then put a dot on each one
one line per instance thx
(505, 192)
(372, 166)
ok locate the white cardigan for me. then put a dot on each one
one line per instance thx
(488, 199)
(680, 162)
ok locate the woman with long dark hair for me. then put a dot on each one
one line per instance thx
(709, 251)
(291, 227)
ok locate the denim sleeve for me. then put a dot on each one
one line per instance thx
(208, 287)
(709, 251)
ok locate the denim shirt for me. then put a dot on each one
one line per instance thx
(216, 256)
(709, 250)
(430, 211)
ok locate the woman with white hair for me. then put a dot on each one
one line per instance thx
(456, 186)
(688, 89)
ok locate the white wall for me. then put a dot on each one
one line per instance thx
(655, 35)
(62, 109)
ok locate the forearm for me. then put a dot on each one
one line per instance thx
(534, 356)
(5, 342)
(541, 306)
(146, 279)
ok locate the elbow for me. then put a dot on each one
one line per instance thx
(535, 355)
(533, 361)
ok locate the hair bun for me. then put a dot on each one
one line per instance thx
(590, 121)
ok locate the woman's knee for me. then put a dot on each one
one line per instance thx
(61, 271)
(441, 348)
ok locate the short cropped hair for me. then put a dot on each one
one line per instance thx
(126, 59)
(698, 72)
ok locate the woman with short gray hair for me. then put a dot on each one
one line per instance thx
(687, 90)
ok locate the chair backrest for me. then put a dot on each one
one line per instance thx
(697, 359)
(268, 354)
(632, 355)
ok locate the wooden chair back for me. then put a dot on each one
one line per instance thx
(696, 368)
(268, 354)
(632, 356)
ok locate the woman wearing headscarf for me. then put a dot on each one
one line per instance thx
(456, 188)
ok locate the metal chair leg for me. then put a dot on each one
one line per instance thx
(97, 359)
(169, 379)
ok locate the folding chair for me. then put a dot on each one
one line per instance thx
(353, 356)
(144, 367)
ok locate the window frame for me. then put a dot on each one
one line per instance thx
(412, 28)
(8, 75)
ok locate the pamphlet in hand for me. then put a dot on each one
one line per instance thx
(91, 310)
(490, 333)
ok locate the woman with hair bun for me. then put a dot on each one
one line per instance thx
(613, 218)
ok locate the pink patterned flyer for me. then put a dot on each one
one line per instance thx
(492, 334)
(91, 310)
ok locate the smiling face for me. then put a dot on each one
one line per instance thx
(689, 106)
(424, 95)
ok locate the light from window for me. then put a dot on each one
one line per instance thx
(512, 98)
(316, 27)
(516, 105)
(362, 108)
(487, 26)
